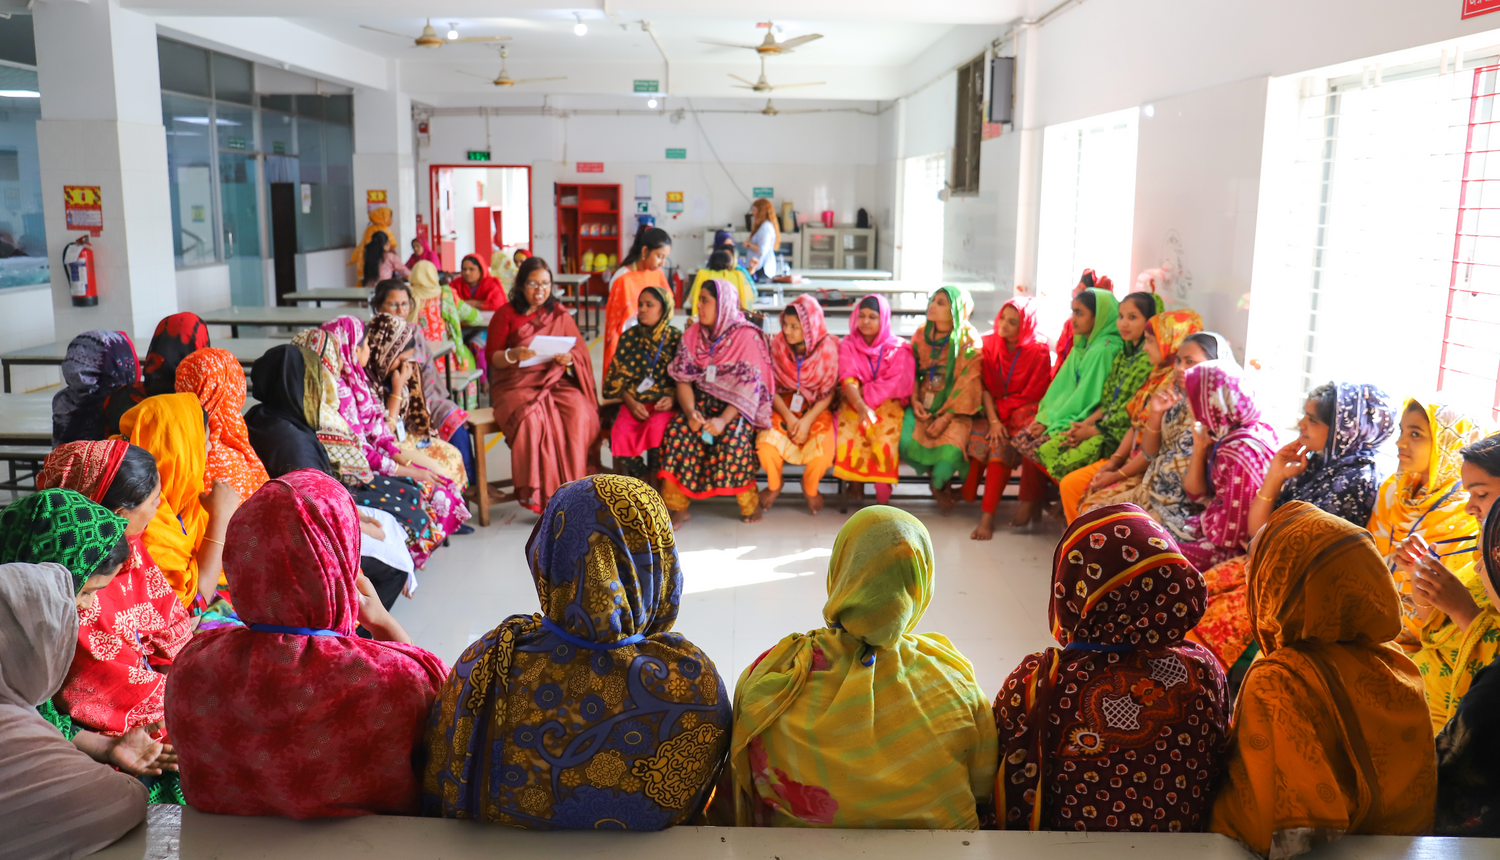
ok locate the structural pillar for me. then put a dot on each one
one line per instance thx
(101, 126)
(383, 156)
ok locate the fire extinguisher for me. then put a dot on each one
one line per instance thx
(78, 265)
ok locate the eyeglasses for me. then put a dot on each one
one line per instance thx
(538, 285)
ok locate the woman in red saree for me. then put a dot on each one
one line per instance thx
(293, 714)
(548, 412)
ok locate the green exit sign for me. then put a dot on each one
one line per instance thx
(236, 143)
(759, 191)
(479, 155)
(647, 86)
(677, 153)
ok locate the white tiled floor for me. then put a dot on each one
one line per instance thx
(748, 585)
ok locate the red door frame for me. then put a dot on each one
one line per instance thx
(432, 191)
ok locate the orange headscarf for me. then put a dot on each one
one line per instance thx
(1170, 328)
(1331, 733)
(171, 427)
(216, 376)
(380, 222)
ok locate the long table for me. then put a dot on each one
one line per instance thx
(246, 349)
(331, 294)
(26, 419)
(844, 274)
(298, 317)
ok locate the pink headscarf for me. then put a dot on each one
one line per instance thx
(357, 401)
(818, 373)
(885, 369)
(294, 715)
(738, 350)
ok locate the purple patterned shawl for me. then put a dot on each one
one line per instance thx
(738, 349)
(97, 364)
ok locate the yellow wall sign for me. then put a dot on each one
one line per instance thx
(82, 208)
(674, 196)
(375, 198)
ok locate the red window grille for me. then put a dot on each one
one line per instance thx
(1469, 371)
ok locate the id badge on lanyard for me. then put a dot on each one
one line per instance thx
(797, 400)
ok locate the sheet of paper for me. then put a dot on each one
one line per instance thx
(546, 346)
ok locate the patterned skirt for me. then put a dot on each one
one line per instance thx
(724, 467)
(870, 453)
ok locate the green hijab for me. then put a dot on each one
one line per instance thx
(1075, 389)
(962, 337)
(60, 526)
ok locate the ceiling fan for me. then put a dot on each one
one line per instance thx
(770, 47)
(505, 80)
(429, 37)
(772, 110)
(764, 86)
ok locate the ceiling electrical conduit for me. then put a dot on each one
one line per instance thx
(646, 25)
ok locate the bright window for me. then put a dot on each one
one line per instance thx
(1088, 208)
(923, 178)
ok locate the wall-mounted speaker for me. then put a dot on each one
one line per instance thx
(1002, 89)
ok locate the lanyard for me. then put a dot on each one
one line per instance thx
(1015, 360)
(874, 366)
(295, 631)
(1435, 505)
(569, 638)
(651, 371)
(798, 359)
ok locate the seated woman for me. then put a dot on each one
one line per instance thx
(640, 269)
(805, 364)
(1124, 679)
(393, 525)
(544, 723)
(476, 288)
(547, 410)
(136, 621)
(186, 536)
(55, 803)
(1232, 449)
(1078, 383)
(1105, 482)
(723, 374)
(1100, 432)
(949, 392)
(1423, 509)
(721, 267)
(433, 309)
(252, 736)
(878, 373)
(396, 381)
(1088, 280)
(504, 263)
(420, 251)
(1011, 400)
(362, 412)
(217, 378)
(638, 378)
(863, 723)
(98, 366)
(381, 260)
(1330, 465)
(1468, 747)
(177, 337)
(1328, 705)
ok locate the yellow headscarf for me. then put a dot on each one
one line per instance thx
(380, 222)
(424, 286)
(172, 428)
(863, 723)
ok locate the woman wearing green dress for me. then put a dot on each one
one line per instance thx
(949, 393)
(1100, 433)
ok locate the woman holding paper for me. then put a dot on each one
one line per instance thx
(542, 388)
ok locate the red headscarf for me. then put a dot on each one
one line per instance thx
(1124, 727)
(135, 622)
(1086, 281)
(176, 337)
(490, 293)
(218, 379)
(1016, 379)
(299, 724)
(820, 358)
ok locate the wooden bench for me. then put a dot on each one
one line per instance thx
(24, 463)
(485, 492)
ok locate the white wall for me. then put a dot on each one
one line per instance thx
(330, 268)
(203, 288)
(26, 320)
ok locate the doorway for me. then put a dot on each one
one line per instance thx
(479, 210)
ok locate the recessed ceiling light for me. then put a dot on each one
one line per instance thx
(580, 28)
(452, 31)
(20, 94)
(651, 103)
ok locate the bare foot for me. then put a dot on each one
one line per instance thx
(679, 517)
(1056, 512)
(857, 491)
(767, 499)
(986, 528)
(945, 500)
(754, 516)
(814, 503)
(1026, 513)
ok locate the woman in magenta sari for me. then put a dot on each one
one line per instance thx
(549, 411)
(442, 501)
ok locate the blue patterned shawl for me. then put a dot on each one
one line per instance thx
(97, 365)
(1342, 478)
(590, 714)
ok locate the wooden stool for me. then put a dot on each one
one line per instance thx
(485, 492)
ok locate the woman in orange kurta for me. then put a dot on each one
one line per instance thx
(640, 269)
(218, 379)
(1331, 732)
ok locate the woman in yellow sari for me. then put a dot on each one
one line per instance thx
(1421, 509)
(186, 537)
(1330, 733)
(863, 723)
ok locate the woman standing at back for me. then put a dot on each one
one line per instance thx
(765, 240)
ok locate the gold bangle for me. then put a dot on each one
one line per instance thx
(207, 538)
(1271, 499)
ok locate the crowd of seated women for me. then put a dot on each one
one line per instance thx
(1265, 640)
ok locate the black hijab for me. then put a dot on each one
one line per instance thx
(280, 432)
